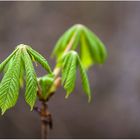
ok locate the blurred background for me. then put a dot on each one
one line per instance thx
(115, 109)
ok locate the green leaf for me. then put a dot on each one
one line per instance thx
(9, 86)
(22, 68)
(96, 47)
(14, 66)
(71, 61)
(39, 58)
(45, 83)
(3, 64)
(85, 52)
(69, 72)
(63, 42)
(77, 37)
(91, 46)
(85, 82)
(31, 80)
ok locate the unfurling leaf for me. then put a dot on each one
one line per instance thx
(9, 86)
(91, 46)
(63, 41)
(85, 82)
(46, 83)
(31, 80)
(71, 62)
(69, 72)
(39, 58)
(3, 64)
(14, 67)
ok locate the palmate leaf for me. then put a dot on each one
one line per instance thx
(14, 67)
(31, 80)
(90, 45)
(71, 62)
(39, 58)
(9, 86)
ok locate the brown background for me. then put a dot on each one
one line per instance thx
(115, 110)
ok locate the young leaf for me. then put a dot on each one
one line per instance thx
(66, 64)
(71, 61)
(84, 52)
(22, 68)
(63, 42)
(93, 49)
(45, 83)
(85, 82)
(9, 86)
(3, 64)
(69, 72)
(96, 46)
(39, 58)
(76, 37)
(14, 66)
(31, 80)
(91, 46)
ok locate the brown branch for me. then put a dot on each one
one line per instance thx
(46, 119)
(43, 117)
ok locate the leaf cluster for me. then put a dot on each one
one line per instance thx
(18, 63)
(18, 67)
(90, 47)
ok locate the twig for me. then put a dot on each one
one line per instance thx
(46, 119)
(45, 116)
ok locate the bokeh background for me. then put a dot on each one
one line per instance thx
(115, 110)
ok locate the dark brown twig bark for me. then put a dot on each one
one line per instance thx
(46, 119)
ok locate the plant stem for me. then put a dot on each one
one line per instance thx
(44, 123)
(43, 131)
(45, 116)
(46, 119)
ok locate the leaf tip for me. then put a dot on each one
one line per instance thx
(31, 109)
(67, 96)
(89, 99)
(3, 111)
